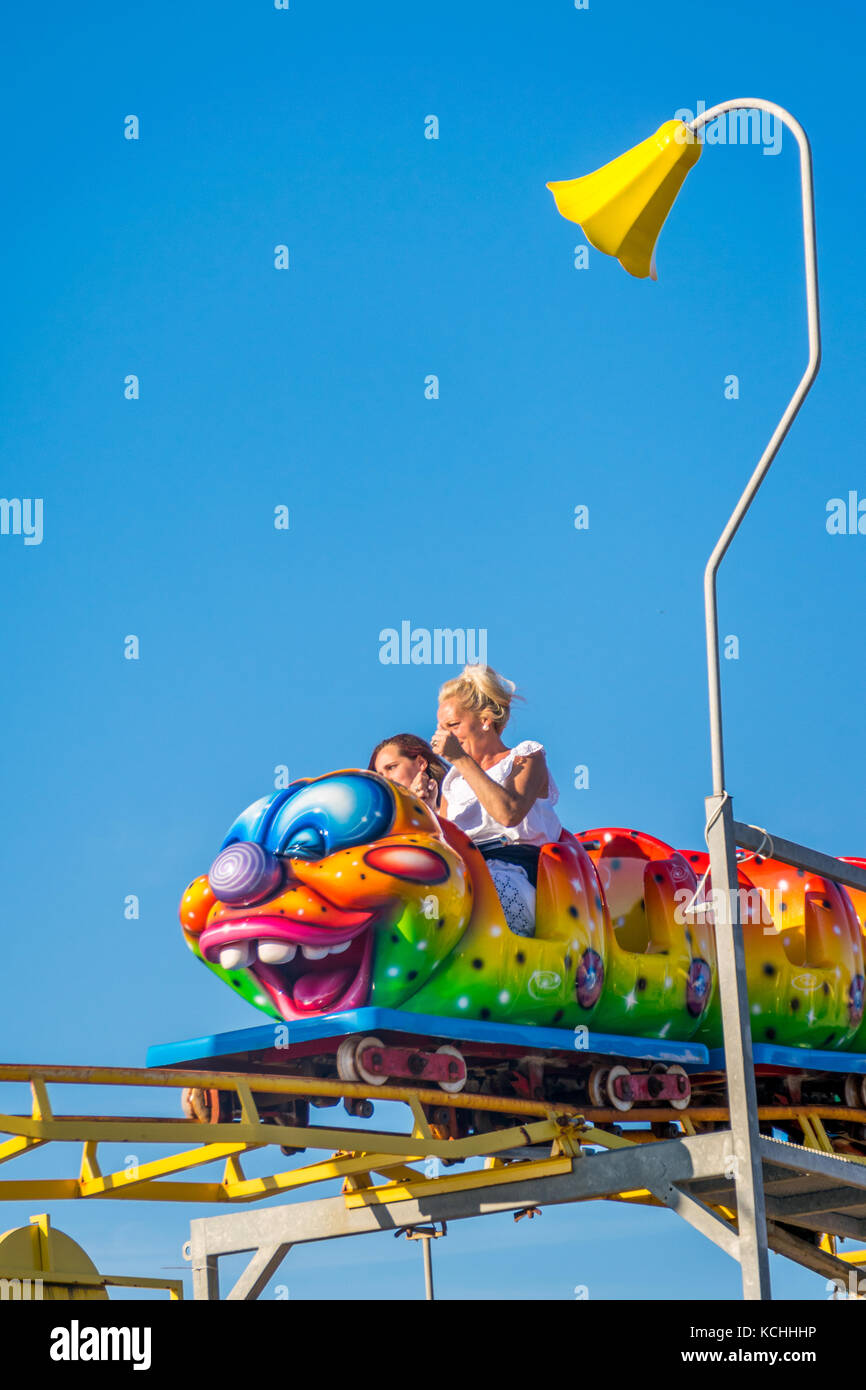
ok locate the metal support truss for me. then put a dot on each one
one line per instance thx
(689, 1176)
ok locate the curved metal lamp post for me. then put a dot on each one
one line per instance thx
(730, 949)
(736, 517)
(622, 208)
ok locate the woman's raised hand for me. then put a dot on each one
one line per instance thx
(425, 787)
(447, 745)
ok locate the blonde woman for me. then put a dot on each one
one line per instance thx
(501, 797)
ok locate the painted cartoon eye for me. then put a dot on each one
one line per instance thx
(310, 820)
(408, 862)
(331, 814)
(253, 823)
(244, 873)
(306, 843)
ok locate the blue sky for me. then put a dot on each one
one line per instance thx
(305, 387)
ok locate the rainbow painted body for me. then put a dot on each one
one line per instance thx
(346, 891)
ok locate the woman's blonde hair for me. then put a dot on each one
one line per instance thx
(481, 688)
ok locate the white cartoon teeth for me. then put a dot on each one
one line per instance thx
(276, 952)
(243, 953)
(233, 956)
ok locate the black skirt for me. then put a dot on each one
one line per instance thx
(524, 855)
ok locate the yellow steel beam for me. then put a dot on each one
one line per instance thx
(147, 1180)
(29, 1189)
(174, 1287)
(392, 1171)
(244, 1084)
(823, 1140)
(354, 1182)
(378, 1163)
(480, 1177)
(68, 1189)
(647, 1201)
(388, 1154)
(20, 1145)
(249, 1111)
(238, 1186)
(347, 1166)
(90, 1169)
(241, 1136)
(637, 1194)
(232, 1138)
(233, 1171)
(420, 1128)
(121, 1130)
(821, 1134)
(41, 1103)
(591, 1135)
(273, 1085)
(100, 1184)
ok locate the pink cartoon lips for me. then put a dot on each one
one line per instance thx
(310, 956)
(305, 969)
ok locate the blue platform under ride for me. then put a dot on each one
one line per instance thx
(805, 1058)
(245, 1044)
(248, 1042)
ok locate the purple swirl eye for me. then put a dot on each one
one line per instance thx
(244, 873)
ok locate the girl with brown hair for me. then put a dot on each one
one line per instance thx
(411, 762)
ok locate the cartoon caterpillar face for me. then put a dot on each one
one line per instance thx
(345, 891)
(307, 883)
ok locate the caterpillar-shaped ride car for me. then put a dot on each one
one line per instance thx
(372, 932)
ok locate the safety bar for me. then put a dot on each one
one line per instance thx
(800, 856)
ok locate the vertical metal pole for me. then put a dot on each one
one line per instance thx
(730, 952)
(737, 1033)
(205, 1267)
(206, 1280)
(428, 1267)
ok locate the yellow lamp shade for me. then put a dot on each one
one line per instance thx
(622, 207)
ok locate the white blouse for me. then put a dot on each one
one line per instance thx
(541, 825)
